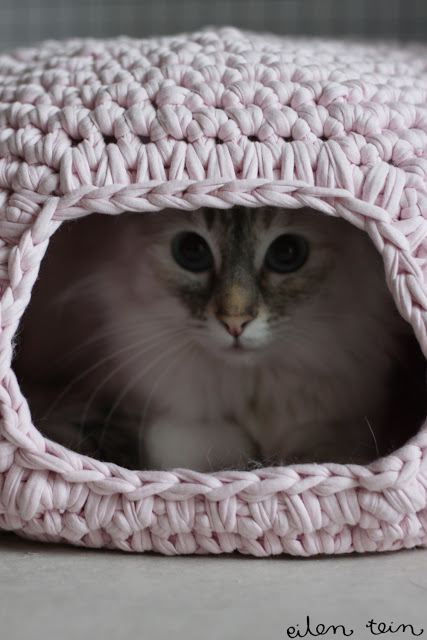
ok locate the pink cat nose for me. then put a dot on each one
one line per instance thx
(234, 324)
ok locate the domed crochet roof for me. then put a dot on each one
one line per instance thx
(216, 119)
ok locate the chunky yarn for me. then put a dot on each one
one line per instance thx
(211, 119)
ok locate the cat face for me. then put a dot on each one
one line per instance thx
(240, 275)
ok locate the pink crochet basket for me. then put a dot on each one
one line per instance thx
(215, 119)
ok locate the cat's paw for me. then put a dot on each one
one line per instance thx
(168, 444)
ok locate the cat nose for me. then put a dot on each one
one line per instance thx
(234, 324)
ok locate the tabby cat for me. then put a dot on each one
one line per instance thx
(215, 339)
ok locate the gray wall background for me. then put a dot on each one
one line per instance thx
(27, 21)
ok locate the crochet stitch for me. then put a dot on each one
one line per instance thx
(212, 119)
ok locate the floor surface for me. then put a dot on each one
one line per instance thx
(49, 591)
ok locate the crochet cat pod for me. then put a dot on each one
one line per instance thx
(211, 119)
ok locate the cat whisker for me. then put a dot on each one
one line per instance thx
(153, 389)
(373, 436)
(72, 354)
(181, 350)
(188, 347)
(137, 378)
(122, 365)
(111, 356)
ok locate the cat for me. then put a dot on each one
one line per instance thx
(215, 339)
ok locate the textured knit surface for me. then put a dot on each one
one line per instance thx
(216, 119)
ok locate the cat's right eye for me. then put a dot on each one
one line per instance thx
(192, 252)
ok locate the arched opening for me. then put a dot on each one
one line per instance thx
(100, 361)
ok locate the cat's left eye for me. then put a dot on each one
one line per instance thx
(192, 252)
(287, 253)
